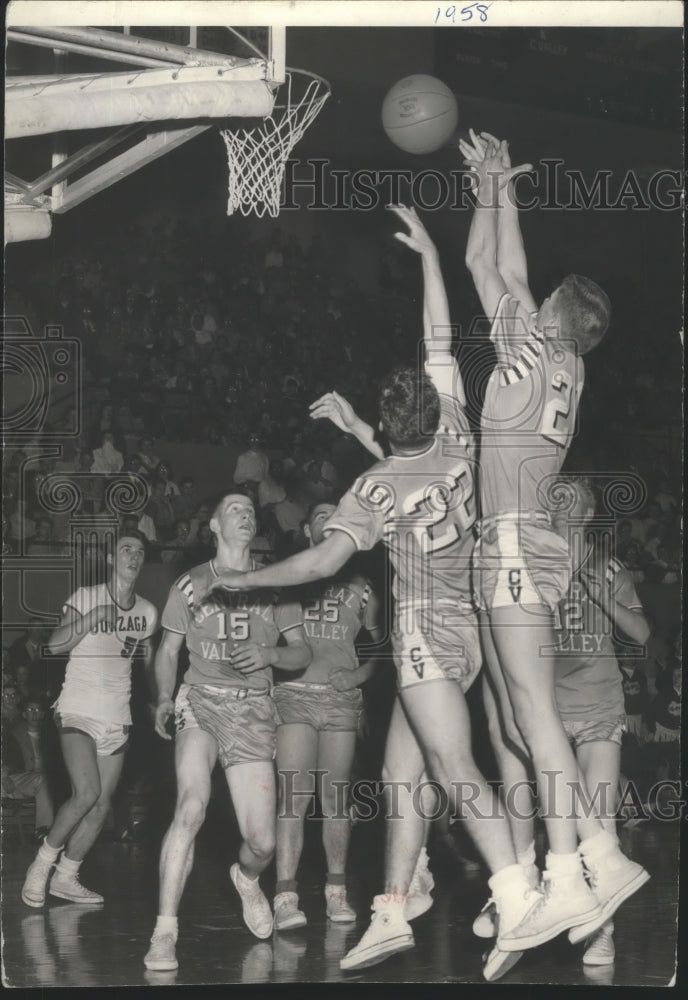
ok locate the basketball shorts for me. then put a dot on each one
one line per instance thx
(110, 738)
(436, 642)
(242, 721)
(318, 705)
(592, 730)
(519, 559)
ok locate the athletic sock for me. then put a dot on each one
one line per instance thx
(68, 867)
(166, 925)
(47, 853)
(526, 858)
(336, 878)
(286, 885)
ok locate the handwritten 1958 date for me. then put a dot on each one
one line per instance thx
(462, 15)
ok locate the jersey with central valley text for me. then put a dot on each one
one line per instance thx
(529, 412)
(215, 628)
(333, 615)
(422, 507)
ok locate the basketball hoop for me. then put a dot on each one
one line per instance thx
(257, 157)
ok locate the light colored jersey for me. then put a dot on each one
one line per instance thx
(333, 615)
(529, 413)
(421, 506)
(588, 681)
(214, 629)
(97, 681)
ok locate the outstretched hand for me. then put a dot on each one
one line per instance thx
(486, 155)
(229, 579)
(417, 238)
(334, 407)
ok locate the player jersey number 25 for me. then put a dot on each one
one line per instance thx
(559, 411)
(446, 509)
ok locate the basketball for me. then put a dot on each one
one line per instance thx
(419, 114)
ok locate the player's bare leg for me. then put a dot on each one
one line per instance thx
(195, 756)
(335, 760)
(297, 751)
(252, 787)
(86, 833)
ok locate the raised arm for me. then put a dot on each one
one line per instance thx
(511, 258)
(75, 626)
(481, 250)
(334, 407)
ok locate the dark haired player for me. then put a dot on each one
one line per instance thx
(420, 502)
(223, 710)
(101, 629)
(521, 563)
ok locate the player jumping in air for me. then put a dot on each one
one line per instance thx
(521, 563)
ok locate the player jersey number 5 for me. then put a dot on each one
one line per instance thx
(559, 411)
(447, 504)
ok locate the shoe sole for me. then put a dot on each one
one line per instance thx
(378, 953)
(161, 965)
(578, 934)
(33, 902)
(423, 904)
(290, 923)
(598, 962)
(342, 918)
(503, 962)
(76, 899)
(547, 934)
(233, 872)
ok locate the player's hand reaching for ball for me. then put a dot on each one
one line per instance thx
(486, 147)
(163, 710)
(342, 680)
(334, 407)
(249, 657)
(417, 237)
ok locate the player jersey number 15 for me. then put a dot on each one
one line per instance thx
(446, 508)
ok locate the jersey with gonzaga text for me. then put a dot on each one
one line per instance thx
(215, 628)
(422, 507)
(333, 616)
(588, 681)
(97, 681)
(529, 413)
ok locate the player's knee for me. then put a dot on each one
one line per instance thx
(86, 796)
(191, 813)
(262, 844)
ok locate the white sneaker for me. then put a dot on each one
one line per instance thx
(613, 878)
(566, 901)
(161, 956)
(337, 905)
(421, 885)
(499, 962)
(69, 887)
(287, 912)
(485, 924)
(36, 882)
(255, 907)
(599, 949)
(388, 934)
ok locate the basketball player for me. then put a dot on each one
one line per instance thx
(223, 710)
(420, 502)
(600, 602)
(319, 717)
(102, 628)
(521, 564)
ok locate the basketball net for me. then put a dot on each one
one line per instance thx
(257, 157)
